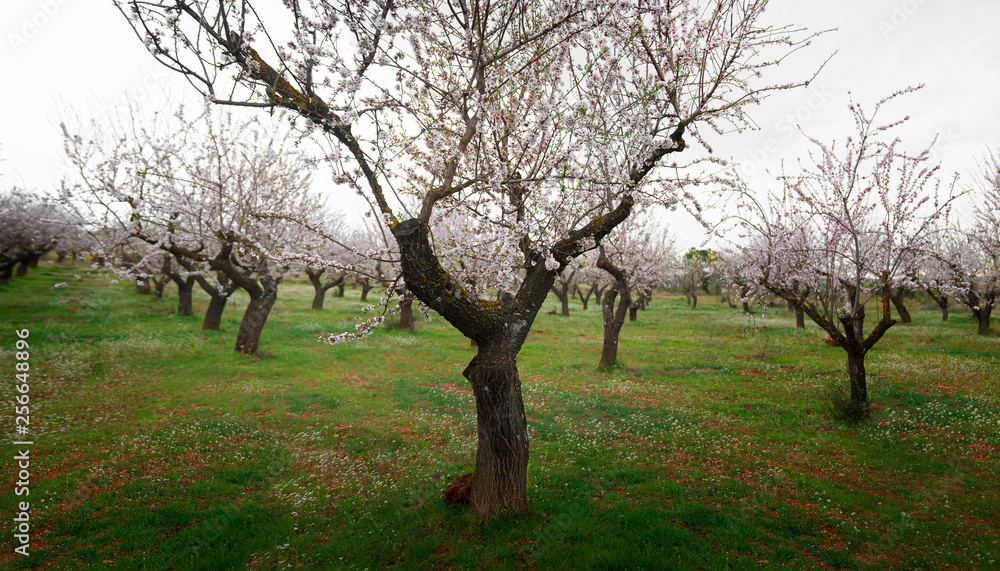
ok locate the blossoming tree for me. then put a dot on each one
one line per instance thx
(214, 191)
(843, 231)
(505, 109)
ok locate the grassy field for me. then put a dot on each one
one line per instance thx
(156, 446)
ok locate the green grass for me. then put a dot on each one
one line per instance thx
(708, 446)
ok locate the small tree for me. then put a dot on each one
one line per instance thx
(843, 231)
(634, 258)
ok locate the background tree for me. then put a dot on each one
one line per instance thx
(214, 191)
(506, 109)
(842, 231)
(634, 257)
(694, 270)
(30, 227)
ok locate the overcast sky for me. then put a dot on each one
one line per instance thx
(83, 54)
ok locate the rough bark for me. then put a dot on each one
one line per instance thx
(633, 311)
(499, 482)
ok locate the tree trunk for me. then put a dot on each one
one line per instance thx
(856, 373)
(584, 300)
(694, 301)
(561, 292)
(406, 320)
(983, 317)
(316, 279)
(318, 298)
(365, 288)
(633, 312)
(897, 302)
(941, 300)
(6, 272)
(158, 285)
(340, 289)
(22, 268)
(142, 285)
(500, 480)
(613, 318)
(261, 302)
(60, 257)
(185, 296)
(213, 315)
(800, 318)
(613, 321)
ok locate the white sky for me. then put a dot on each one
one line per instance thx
(83, 54)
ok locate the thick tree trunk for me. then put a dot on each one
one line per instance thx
(22, 268)
(213, 315)
(60, 257)
(365, 288)
(800, 318)
(340, 289)
(500, 480)
(261, 302)
(6, 272)
(318, 298)
(897, 301)
(142, 285)
(633, 312)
